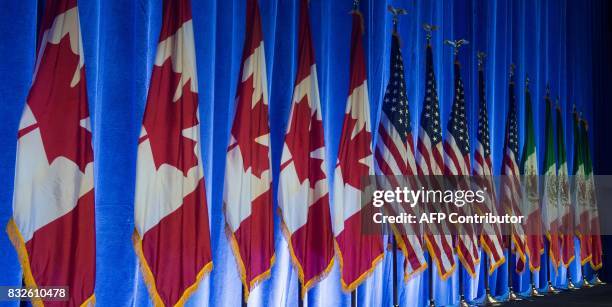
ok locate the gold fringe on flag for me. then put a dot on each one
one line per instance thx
(150, 279)
(19, 244)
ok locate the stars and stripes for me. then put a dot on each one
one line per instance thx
(394, 155)
(490, 238)
(430, 163)
(303, 186)
(247, 194)
(457, 163)
(510, 181)
(53, 222)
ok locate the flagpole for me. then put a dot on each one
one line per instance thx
(395, 12)
(244, 302)
(489, 300)
(300, 299)
(428, 30)
(457, 44)
(354, 298)
(534, 291)
(512, 296)
(395, 301)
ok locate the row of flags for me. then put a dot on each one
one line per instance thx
(53, 225)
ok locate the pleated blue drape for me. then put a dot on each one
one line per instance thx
(549, 41)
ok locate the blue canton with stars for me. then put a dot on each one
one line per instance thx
(395, 103)
(512, 122)
(483, 118)
(457, 125)
(430, 117)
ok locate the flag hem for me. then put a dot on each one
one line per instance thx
(353, 285)
(437, 261)
(149, 279)
(240, 264)
(402, 245)
(464, 260)
(518, 250)
(492, 265)
(309, 283)
(555, 261)
(19, 244)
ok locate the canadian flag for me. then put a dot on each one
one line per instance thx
(53, 224)
(172, 237)
(358, 252)
(247, 195)
(303, 186)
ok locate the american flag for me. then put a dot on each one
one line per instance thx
(490, 237)
(394, 153)
(457, 163)
(510, 183)
(430, 162)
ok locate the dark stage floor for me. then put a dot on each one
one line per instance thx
(596, 296)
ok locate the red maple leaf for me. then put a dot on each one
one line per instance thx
(353, 149)
(305, 136)
(165, 120)
(59, 108)
(251, 123)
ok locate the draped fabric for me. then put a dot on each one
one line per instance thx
(549, 40)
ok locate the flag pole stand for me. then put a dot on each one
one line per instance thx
(300, 298)
(395, 283)
(570, 284)
(550, 289)
(599, 282)
(489, 300)
(585, 281)
(534, 290)
(512, 296)
(462, 301)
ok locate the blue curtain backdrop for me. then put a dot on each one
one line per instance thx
(549, 41)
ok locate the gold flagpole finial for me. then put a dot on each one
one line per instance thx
(456, 44)
(428, 29)
(396, 12)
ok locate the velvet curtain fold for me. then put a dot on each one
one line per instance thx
(551, 41)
